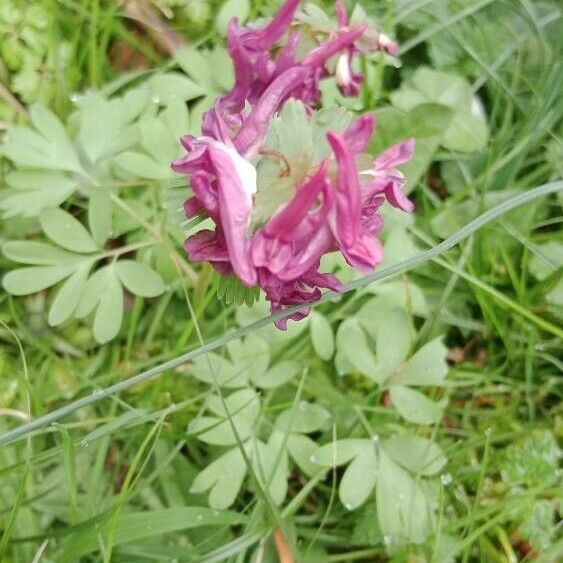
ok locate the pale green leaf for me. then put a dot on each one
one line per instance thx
(139, 278)
(403, 510)
(239, 9)
(306, 418)
(24, 281)
(100, 213)
(339, 452)
(427, 367)
(66, 231)
(109, 313)
(140, 165)
(359, 478)
(37, 253)
(93, 290)
(414, 406)
(416, 454)
(322, 336)
(277, 375)
(68, 296)
(214, 368)
(301, 449)
(224, 477)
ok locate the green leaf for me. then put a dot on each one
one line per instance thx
(339, 452)
(306, 418)
(393, 333)
(49, 125)
(68, 296)
(404, 513)
(301, 449)
(243, 406)
(271, 465)
(30, 192)
(250, 356)
(416, 454)
(224, 477)
(66, 231)
(359, 478)
(170, 87)
(322, 336)
(466, 133)
(157, 140)
(51, 148)
(139, 278)
(194, 63)
(93, 290)
(100, 213)
(213, 368)
(239, 9)
(414, 406)
(109, 313)
(427, 367)
(24, 281)
(140, 165)
(352, 342)
(277, 375)
(37, 253)
(104, 124)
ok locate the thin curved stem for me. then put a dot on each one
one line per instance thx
(384, 274)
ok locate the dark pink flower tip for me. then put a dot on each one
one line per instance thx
(265, 38)
(255, 127)
(361, 249)
(359, 133)
(322, 53)
(341, 13)
(396, 155)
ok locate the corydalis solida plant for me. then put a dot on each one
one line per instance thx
(331, 205)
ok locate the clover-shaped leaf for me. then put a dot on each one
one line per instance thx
(387, 361)
(419, 455)
(243, 408)
(223, 477)
(359, 478)
(248, 358)
(405, 512)
(468, 130)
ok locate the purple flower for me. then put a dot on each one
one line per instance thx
(335, 203)
(385, 179)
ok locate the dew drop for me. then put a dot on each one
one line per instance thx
(375, 438)
(73, 98)
(348, 506)
(387, 540)
(313, 459)
(446, 479)
(155, 99)
(303, 406)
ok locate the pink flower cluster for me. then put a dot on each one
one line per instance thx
(333, 208)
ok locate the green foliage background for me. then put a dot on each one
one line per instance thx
(416, 419)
